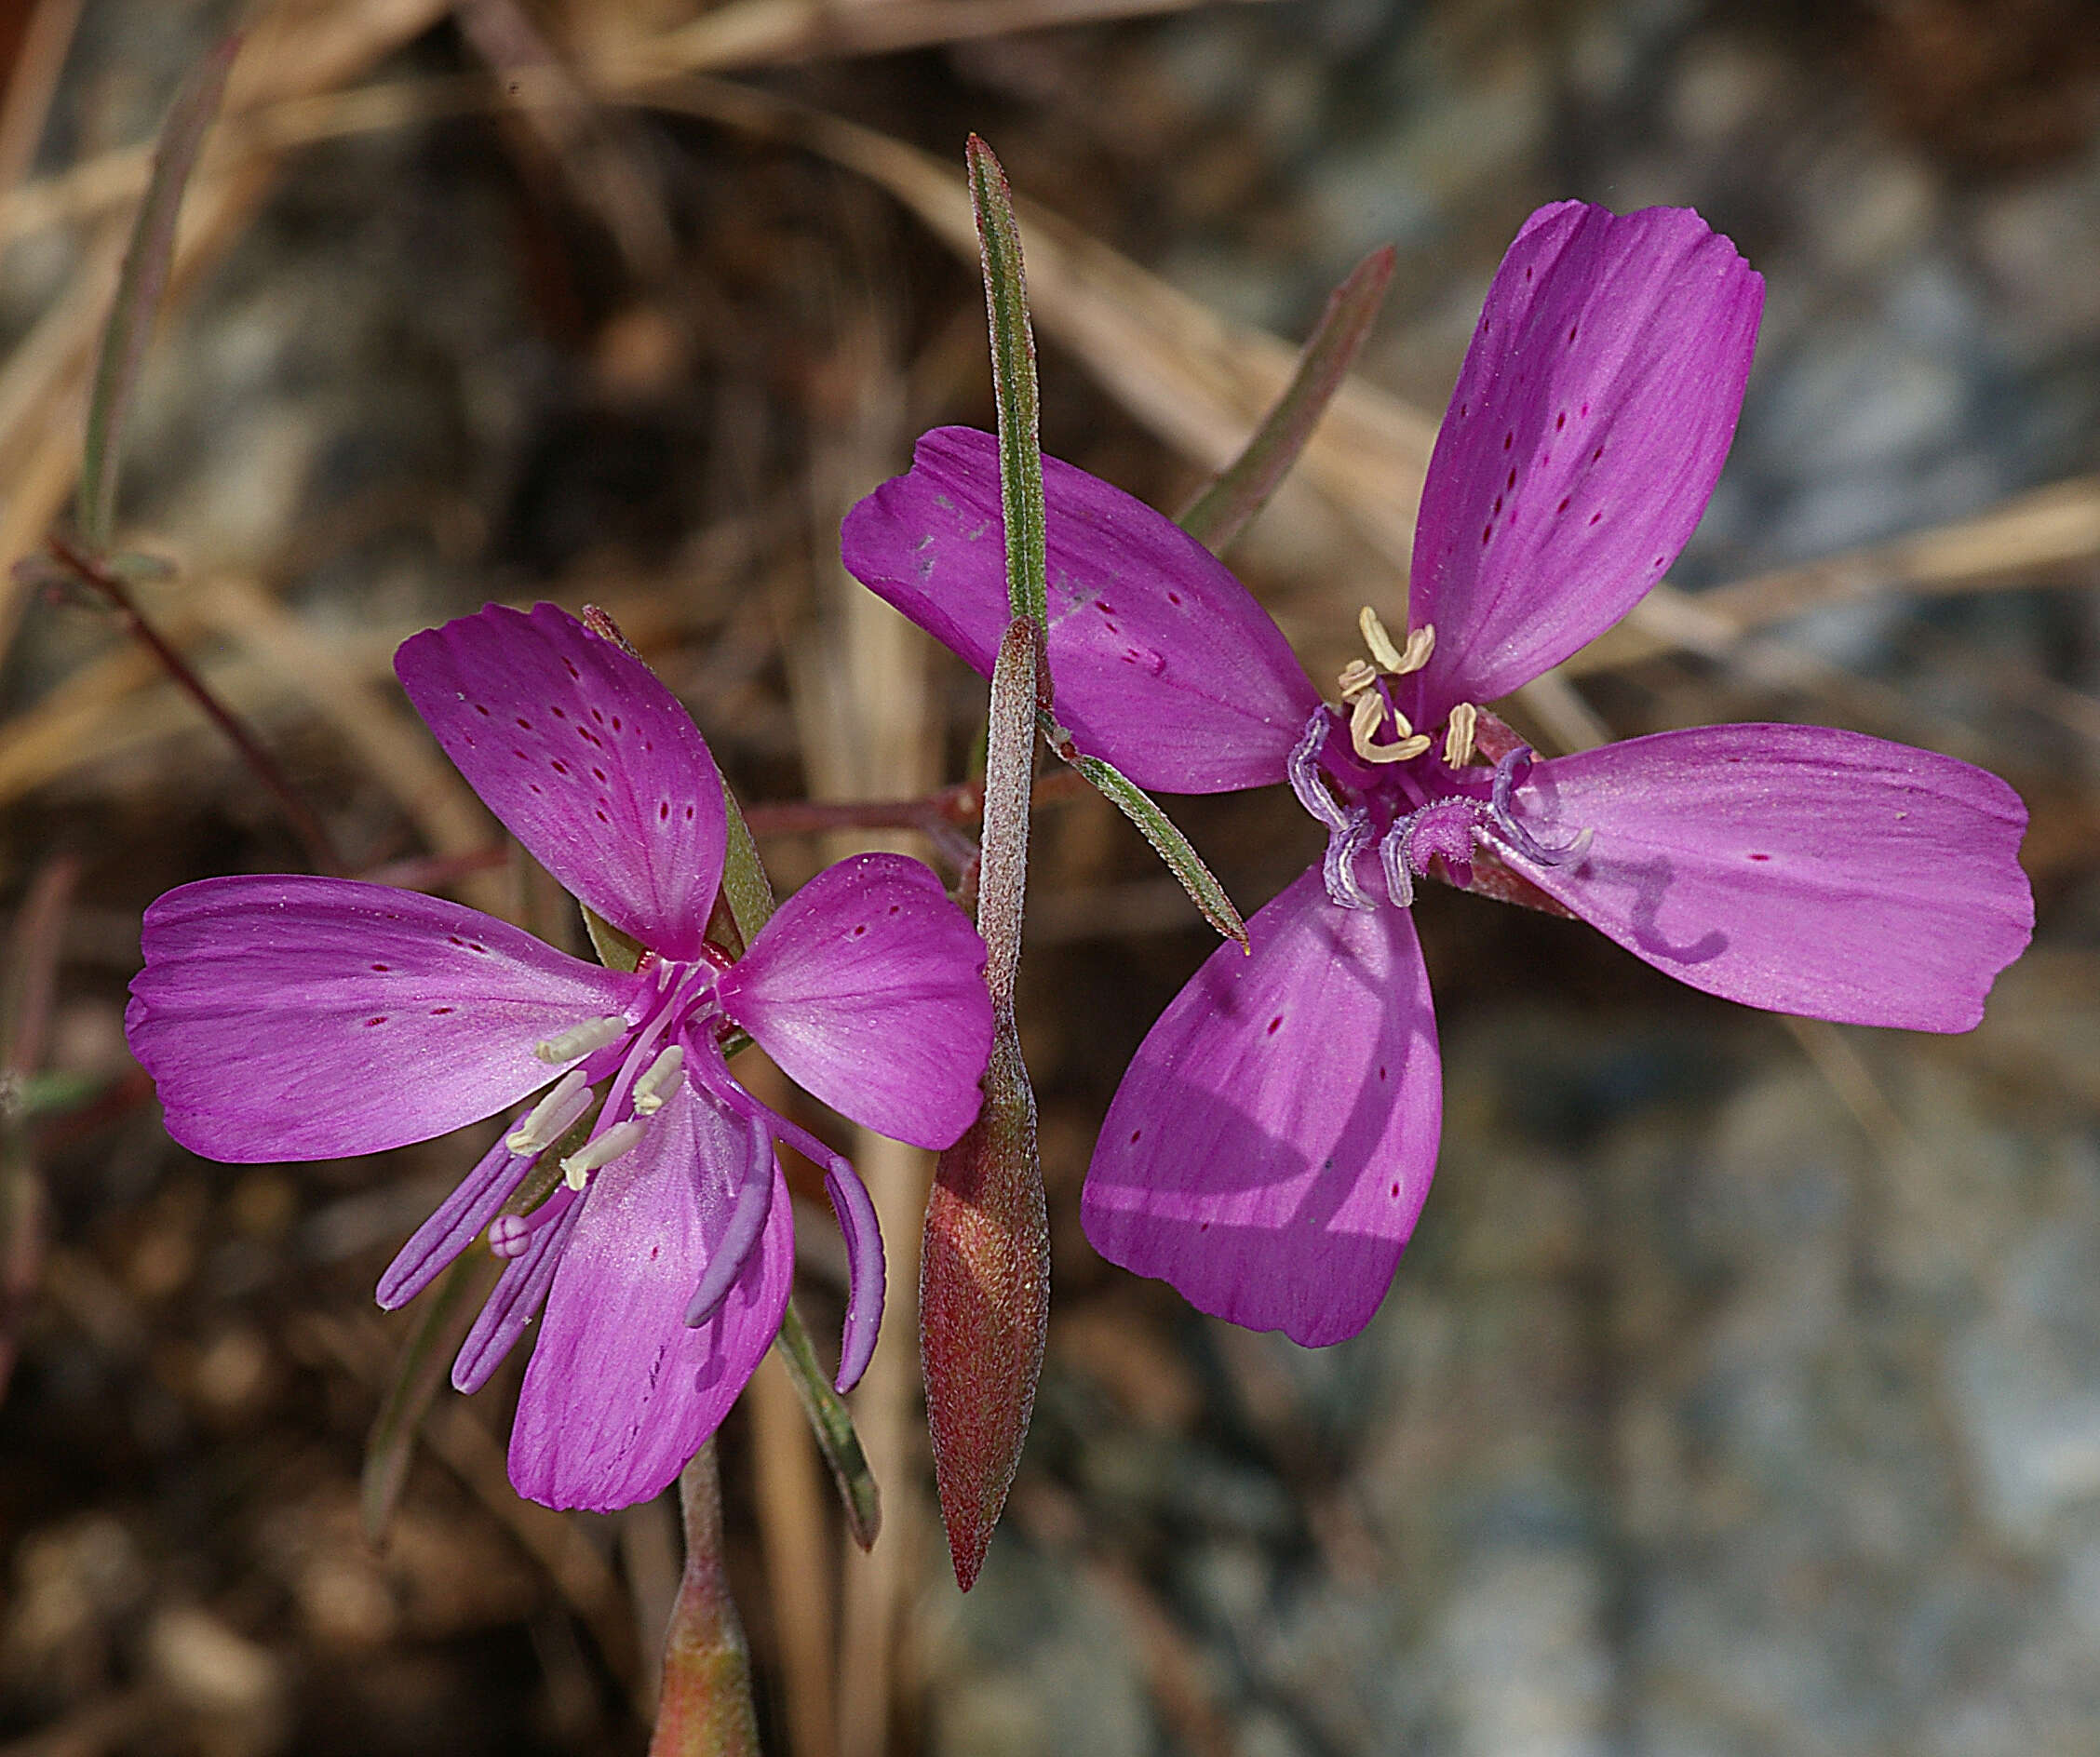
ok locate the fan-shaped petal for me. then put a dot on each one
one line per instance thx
(867, 987)
(1271, 1144)
(1793, 868)
(297, 1018)
(620, 1394)
(586, 758)
(1588, 427)
(1163, 663)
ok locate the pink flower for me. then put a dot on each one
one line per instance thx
(1272, 1143)
(307, 1018)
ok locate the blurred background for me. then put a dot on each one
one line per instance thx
(1740, 1392)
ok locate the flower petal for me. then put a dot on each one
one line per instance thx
(867, 987)
(1793, 868)
(620, 1393)
(1273, 1142)
(1163, 662)
(299, 1018)
(1582, 442)
(586, 758)
(453, 1224)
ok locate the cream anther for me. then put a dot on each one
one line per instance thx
(1458, 734)
(622, 1137)
(1356, 677)
(554, 1116)
(653, 1086)
(581, 1039)
(1365, 720)
(1385, 654)
(1395, 661)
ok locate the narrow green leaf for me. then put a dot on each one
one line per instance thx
(140, 282)
(1013, 384)
(1243, 488)
(833, 1425)
(1160, 830)
(417, 1376)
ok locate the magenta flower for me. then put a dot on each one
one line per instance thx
(307, 1018)
(1271, 1144)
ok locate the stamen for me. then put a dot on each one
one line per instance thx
(1356, 677)
(1304, 772)
(1422, 643)
(602, 1151)
(1338, 867)
(554, 1116)
(651, 1088)
(1383, 652)
(1365, 719)
(580, 1039)
(1457, 735)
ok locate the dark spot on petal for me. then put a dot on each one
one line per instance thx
(1572, 332)
(382, 969)
(438, 1012)
(1174, 598)
(1595, 516)
(524, 722)
(1760, 856)
(559, 766)
(689, 814)
(572, 671)
(455, 939)
(1560, 421)
(599, 773)
(893, 908)
(481, 710)
(1564, 500)
(1497, 506)
(1596, 454)
(1509, 440)
(1396, 1189)
(1512, 482)
(1134, 1134)
(598, 717)
(664, 812)
(380, 1020)
(859, 928)
(1486, 532)
(615, 722)
(556, 712)
(600, 815)
(1274, 1022)
(1381, 1070)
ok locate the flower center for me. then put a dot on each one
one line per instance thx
(1392, 786)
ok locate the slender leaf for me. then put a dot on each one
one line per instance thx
(704, 1708)
(833, 1425)
(143, 280)
(1244, 486)
(1013, 384)
(417, 1376)
(1166, 836)
(744, 886)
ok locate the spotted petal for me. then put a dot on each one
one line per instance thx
(1583, 441)
(620, 1394)
(1273, 1142)
(1793, 867)
(867, 987)
(298, 1018)
(586, 758)
(1163, 663)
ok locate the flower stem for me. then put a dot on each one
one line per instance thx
(704, 1708)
